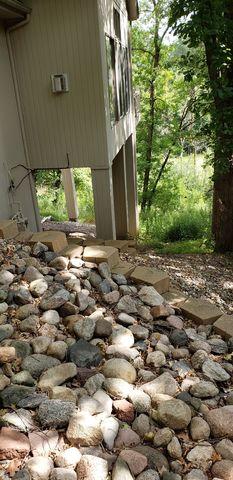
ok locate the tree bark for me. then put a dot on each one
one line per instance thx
(223, 212)
(222, 216)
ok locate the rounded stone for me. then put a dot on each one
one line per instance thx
(174, 414)
(55, 413)
(119, 368)
(122, 336)
(157, 359)
(174, 448)
(51, 317)
(201, 455)
(135, 460)
(84, 430)
(214, 371)
(117, 387)
(220, 421)
(199, 429)
(39, 468)
(163, 437)
(223, 470)
(91, 467)
(63, 474)
(58, 350)
(204, 389)
(68, 458)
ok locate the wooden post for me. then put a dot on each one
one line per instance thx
(104, 203)
(70, 194)
(120, 194)
(131, 185)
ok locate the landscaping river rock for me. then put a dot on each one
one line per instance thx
(102, 379)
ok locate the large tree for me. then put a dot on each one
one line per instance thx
(210, 22)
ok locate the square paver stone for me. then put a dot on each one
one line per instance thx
(151, 276)
(224, 326)
(174, 297)
(72, 251)
(8, 229)
(123, 268)
(120, 244)
(93, 241)
(55, 241)
(101, 253)
(24, 237)
(201, 311)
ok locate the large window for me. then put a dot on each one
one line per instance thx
(118, 72)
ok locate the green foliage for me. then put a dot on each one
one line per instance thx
(183, 206)
(51, 197)
(209, 25)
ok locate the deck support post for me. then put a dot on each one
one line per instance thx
(131, 185)
(70, 194)
(104, 203)
(120, 194)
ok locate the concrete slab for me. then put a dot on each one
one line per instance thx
(174, 297)
(224, 326)
(24, 237)
(72, 251)
(55, 241)
(151, 276)
(101, 253)
(120, 244)
(8, 229)
(123, 268)
(93, 241)
(75, 241)
(201, 311)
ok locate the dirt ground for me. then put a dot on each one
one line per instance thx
(208, 276)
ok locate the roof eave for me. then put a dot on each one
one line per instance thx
(13, 10)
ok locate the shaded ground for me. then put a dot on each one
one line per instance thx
(205, 276)
(208, 276)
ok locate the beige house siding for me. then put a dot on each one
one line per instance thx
(118, 133)
(65, 129)
(11, 145)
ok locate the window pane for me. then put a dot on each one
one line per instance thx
(111, 62)
(117, 23)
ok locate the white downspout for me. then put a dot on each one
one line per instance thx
(20, 113)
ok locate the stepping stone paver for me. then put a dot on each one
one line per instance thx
(151, 276)
(123, 268)
(99, 254)
(92, 241)
(201, 311)
(55, 241)
(224, 326)
(24, 237)
(8, 229)
(174, 297)
(72, 251)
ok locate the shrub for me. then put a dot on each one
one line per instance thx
(188, 225)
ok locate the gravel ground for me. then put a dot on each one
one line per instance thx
(206, 276)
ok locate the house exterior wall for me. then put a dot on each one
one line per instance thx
(118, 133)
(66, 129)
(11, 145)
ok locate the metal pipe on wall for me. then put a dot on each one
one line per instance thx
(20, 113)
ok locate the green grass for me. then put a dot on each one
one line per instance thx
(183, 247)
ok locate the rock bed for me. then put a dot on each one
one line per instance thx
(101, 379)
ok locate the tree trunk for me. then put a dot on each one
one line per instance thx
(149, 148)
(223, 212)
